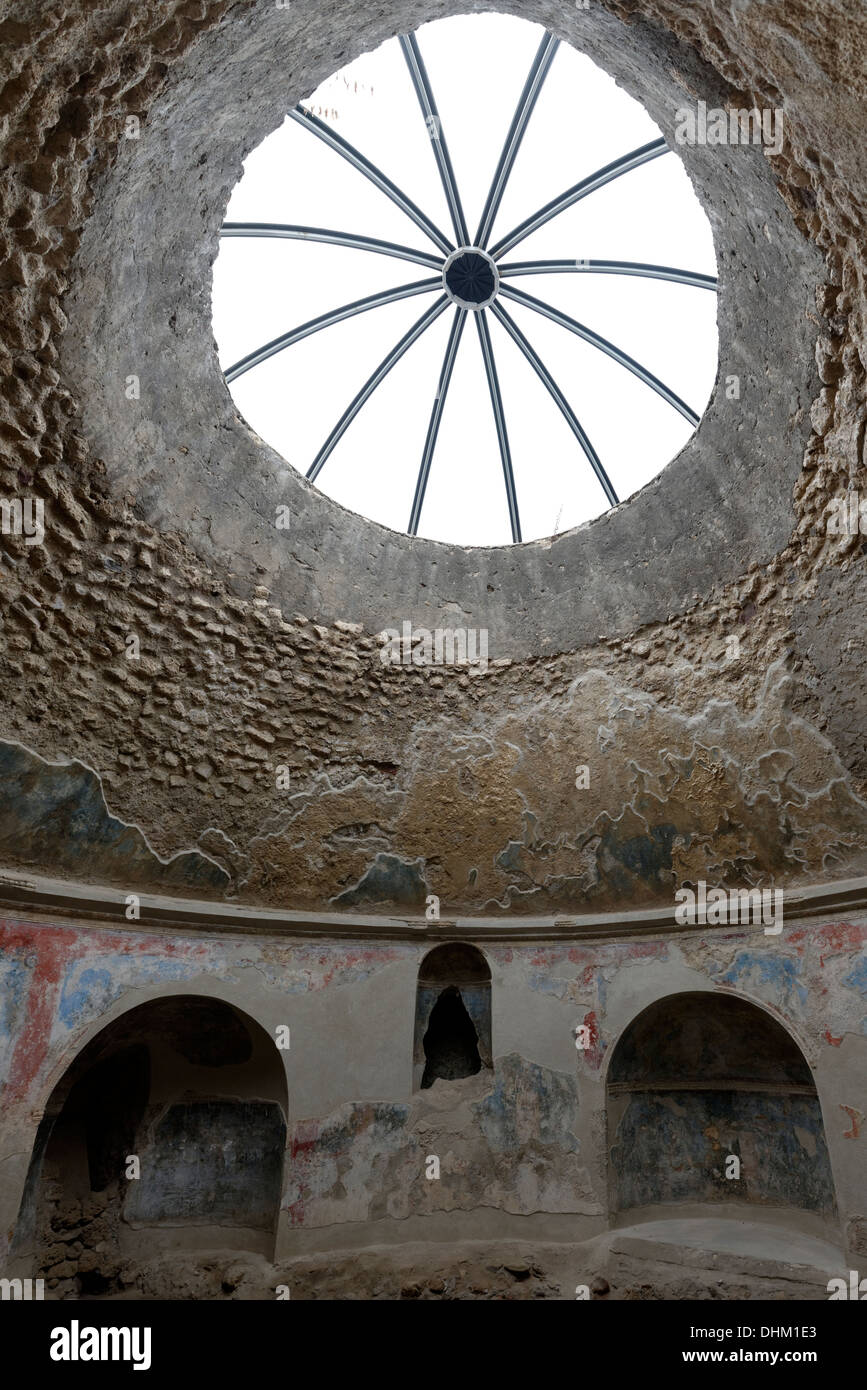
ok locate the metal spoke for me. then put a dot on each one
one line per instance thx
(500, 422)
(435, 261)
(433, 428)
(377, 177)
(346, 311)
(291, 232)
(597, 341)
(573, 195)
(538, 72)
(374, 380)
(424, 92)
(574, 423)
(650, 272)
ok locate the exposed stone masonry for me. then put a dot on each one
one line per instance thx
(228, 687)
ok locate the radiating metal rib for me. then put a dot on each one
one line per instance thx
(597, 341)
(572, 419)
(433, 428)
(424, 92)
(291, 232)
(374, 380)
(346, 311)
(573, 195)
(538, 72)
(377, 177)
(500, 422)
(638, 268)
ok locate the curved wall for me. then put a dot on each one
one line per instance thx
(523, 1146)
(676, 647)
(188, 464)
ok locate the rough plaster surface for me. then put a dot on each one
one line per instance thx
(506, 1142)
(678, 1144)
(472, 1270)
(211, 1162)
(258, 648)
(259, 651)
(527, 1142)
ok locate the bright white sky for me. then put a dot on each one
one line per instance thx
(477, 67)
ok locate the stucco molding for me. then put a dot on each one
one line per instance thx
(54, 899)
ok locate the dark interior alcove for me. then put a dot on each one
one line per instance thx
(699, 1078)
(452, 1015)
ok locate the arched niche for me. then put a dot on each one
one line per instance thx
(699, 1080)
(194, 1090)
(452, 1015)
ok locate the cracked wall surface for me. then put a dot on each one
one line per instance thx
(675, 692)
(710, 1100)
(613, 643)
(536, 1138)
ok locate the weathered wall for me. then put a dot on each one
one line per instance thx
(258, 647)
(697, 1082)
(211, 1163)
(452, 968)
(677, 1143)
(191, 1091)
(524, 1146)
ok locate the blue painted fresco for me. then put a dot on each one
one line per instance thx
(88, 990)
(857, 977)
(528, 1106)
(388, 880)
(54, 817)
(672, 1147)
(773, 976)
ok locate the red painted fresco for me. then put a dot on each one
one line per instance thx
(836, 938)
(594, 1053)
(857, 1118)
(55, 949)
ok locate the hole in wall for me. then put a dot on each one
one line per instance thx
(452, 1015)
(451, 1043)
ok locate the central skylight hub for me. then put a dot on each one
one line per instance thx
(471, 278)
